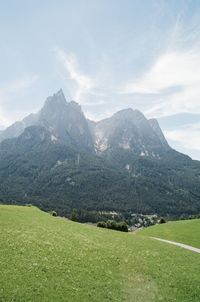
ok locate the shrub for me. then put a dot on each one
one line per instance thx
(113, 225)
(101, 224)
(162, 220)
(74, 215)
(28, 205)
(53, 213)
(122, 226)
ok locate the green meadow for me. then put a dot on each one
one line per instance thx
(184, 231)
(46, 258)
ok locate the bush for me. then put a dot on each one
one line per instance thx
(53, 213)
(101, 224)
(74, 215)
(28, 205)
(113, 225)
(122, 226)
(162, 220)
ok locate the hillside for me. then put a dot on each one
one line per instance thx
(44, 258)
(57, 159)
(185, 231)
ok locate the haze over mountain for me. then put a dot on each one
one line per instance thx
(58, 159)
(144, 55)
(65, 121)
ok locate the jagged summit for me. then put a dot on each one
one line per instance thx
(65, 121)
(59, 95)
(56, 100)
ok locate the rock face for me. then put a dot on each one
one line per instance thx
(64, 120)
(129, 130)
(156, 128)
(18, 128)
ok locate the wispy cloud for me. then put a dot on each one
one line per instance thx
(178, 72)
(84, 84)
(187, 136)
(89, 89)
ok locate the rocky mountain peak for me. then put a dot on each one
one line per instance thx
(55, 102)
(64, 120)
(128, 113)
(156, 128)
(129, 129)
(75, 106)
(66, 123)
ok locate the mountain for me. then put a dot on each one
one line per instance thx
(18, 127)
(129, 130)
(64, 120)
(57, 159)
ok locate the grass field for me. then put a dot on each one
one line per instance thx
(184, 231)
(45, 258)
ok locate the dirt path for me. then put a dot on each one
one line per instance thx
(185, 246)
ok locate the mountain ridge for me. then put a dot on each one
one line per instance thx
(55, 115)
(61, 161)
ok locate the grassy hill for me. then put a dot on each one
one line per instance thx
(45, 258)
(185, 231)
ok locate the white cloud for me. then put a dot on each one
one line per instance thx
(188, 136)
(92, 89)
(84, 84)
(178, 72)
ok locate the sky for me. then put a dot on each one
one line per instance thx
(106, 55)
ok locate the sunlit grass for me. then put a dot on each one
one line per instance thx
(184, 231)
(45, 258)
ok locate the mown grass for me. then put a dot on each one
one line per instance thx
(45, 258)
(184, 231)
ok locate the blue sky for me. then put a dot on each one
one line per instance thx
(106, 55)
